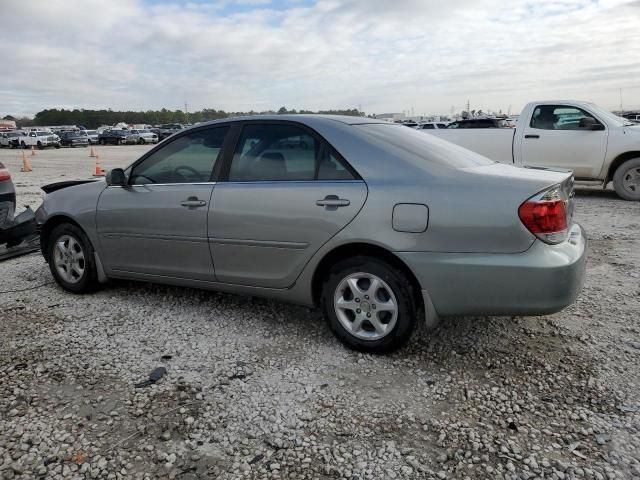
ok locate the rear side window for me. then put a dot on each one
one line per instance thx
(187, 159)
(273, 152)
(416, 145)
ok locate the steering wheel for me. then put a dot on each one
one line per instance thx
(191, 171)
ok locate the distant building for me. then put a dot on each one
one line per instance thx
(7, 124)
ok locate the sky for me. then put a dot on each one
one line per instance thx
(425, 56)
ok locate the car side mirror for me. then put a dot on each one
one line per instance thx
(116, 177)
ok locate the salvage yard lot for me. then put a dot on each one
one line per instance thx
(260, 389)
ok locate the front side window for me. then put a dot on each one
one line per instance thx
(561, 117)
(187, 159)
(283, 152)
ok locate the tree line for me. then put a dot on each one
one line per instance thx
(96, 118)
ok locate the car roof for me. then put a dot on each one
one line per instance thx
(306, 119)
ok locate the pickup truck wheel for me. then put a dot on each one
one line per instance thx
(626, 180)
(369, 305)
(141, 141)
(40, 146)
(71, 259)
(23, 145)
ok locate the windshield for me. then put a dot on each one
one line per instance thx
(91, 132)
(610, 117)
(421, 145)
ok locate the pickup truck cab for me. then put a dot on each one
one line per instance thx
(598, 146)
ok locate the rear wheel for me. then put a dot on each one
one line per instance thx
(71, 259)
(23, 145)
(626, 180)
(40, 146)
(369, 305)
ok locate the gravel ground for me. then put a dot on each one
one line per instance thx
(258, 389)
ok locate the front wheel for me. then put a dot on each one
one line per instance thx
(23, 145)
(71, 259)
(40, 146)
(626, 180)
(369, 304)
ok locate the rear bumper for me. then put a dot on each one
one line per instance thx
(544, 279)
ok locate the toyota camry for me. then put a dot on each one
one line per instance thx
(377, 224)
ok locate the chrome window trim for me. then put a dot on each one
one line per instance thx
(161, 184)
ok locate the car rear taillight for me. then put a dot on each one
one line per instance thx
(4, 173)
(547, 215)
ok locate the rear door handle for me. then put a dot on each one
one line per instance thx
(193, 202)
(532, 136)
(332, 202)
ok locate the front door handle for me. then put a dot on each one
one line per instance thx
(332, 202)
(532, 136)
(193, 202)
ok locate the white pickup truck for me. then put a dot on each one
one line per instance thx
(40, 139)
(598, 146)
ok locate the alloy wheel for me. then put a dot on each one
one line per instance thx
(68, 257)
(366, 306)
(631, 180)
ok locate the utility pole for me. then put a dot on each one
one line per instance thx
(469, 107)
(186, 112)
(621, 109)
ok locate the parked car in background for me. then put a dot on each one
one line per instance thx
(92, 136)
(431, 125)
(7, 195)
(117, 137)
(480, 123)
(13, 228)
(73, 139)
(596, 145)
(145, 136)
(40, 139)
(164, 131)
(379, 225)
(10, 139)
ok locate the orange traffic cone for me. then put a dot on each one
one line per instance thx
(99, 171)
(33, 151)
(92, 153)
(26, 166)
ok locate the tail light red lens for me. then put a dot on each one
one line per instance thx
(4, 174)
(546, 216)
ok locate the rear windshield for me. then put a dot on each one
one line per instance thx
(424, 145)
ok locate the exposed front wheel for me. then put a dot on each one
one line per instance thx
(626, 180)
(71, 259)
(369, 305)
(40, 146)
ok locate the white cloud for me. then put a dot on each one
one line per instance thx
(385, 56)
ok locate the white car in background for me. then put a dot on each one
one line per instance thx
(92, 136)
(146, 136)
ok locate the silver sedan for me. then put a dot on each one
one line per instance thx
(377, 224)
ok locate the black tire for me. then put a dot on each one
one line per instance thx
(401, 288)
(630, 167)
(141, 141)
(23, 145)
(40, 146)
(88, 282)
(57, 145)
